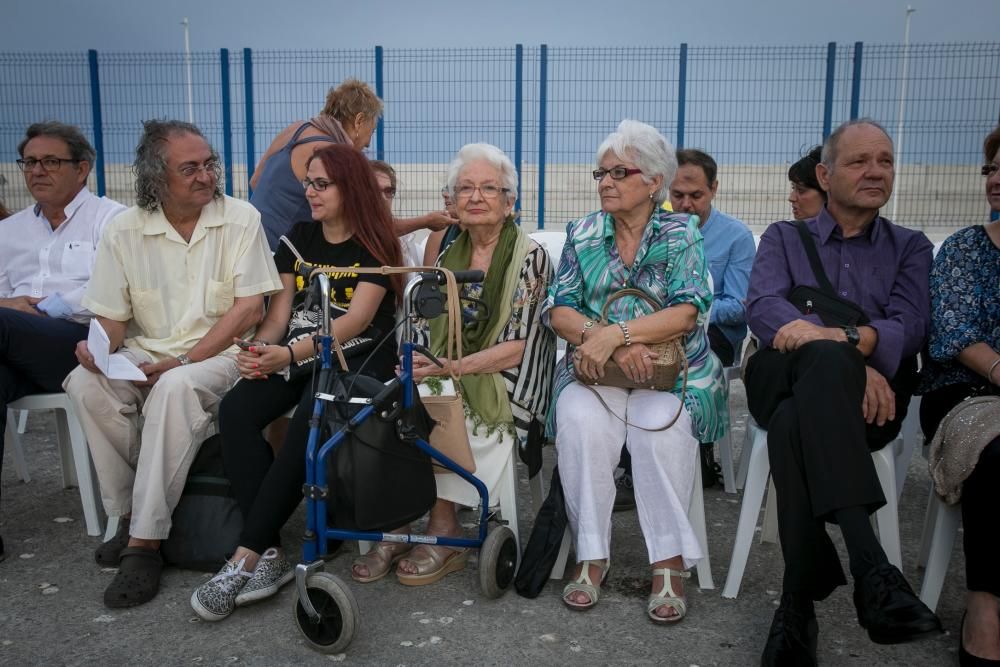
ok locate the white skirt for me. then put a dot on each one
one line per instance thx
(491, 453)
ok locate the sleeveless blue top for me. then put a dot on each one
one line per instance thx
(279, 196)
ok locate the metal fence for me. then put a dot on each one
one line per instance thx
(755, 109)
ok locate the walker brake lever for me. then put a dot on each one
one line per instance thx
(427, 353)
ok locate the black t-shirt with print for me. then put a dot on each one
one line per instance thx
(307, 237)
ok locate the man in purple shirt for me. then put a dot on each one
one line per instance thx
(829, 395)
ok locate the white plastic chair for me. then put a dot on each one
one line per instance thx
(74, 454)
(757, 473)
(22, 421)
(936, 545)
(696, 515)
(725, 443)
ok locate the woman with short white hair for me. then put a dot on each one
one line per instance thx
(506, 370)
(633, 243)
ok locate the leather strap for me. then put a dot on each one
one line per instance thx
(643, 428)
(814, 262)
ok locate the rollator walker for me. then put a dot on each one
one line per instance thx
(326, 611)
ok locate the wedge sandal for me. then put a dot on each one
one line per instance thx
(432, 565)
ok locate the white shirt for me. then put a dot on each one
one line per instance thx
(38, 261)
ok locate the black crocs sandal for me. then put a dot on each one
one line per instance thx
(138, 578)
(107, 553)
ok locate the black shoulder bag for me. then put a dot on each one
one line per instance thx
(835, 311)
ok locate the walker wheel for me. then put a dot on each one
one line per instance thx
(339, 615)
(497, 562)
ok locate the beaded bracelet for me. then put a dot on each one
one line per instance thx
(628, 337)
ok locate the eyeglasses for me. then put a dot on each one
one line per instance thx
(48, 163)
(318, 186)
(389, 192)
(617, 173)
(210, 168)
(988, 169)
(487, 191)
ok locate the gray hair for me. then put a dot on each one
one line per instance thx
(150, 166)
(79, 148)
(832, 144)
(487, 153)
(647, 148)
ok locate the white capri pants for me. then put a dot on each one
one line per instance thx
(588, 445)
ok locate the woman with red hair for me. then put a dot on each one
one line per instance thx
(351, 227)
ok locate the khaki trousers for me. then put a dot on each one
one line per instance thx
(143, 440)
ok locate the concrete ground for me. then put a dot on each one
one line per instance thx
(51, 609)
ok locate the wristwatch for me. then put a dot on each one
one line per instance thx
(184, 359)
(853, 337)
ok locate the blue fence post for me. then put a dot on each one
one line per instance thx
(831, 65)
(682, 77)
(95, 108)
(856, 81)
(227, 120)
(518, 117)
(542, 99)
(248, 104)
(380, 91)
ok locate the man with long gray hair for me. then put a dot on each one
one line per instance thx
(177, 278)
(45, 261)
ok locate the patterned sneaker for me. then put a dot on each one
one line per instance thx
(216, 598)
(273, 571)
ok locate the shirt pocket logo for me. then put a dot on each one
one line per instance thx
(77, 258)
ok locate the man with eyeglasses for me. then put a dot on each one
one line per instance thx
(177, 278)
(45, 261)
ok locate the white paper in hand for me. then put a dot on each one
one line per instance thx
(115, 366)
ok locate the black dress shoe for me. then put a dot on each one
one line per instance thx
(624, 493)
(793, 638)
(711, 472)
(889, 610)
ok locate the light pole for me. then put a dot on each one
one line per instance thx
(902, 109)
(187, 63)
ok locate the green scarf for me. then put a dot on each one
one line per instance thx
(485, 393)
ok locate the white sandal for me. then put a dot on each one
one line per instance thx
(667, 598)
(583, 584)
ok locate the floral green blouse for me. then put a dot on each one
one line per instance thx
(670, 267)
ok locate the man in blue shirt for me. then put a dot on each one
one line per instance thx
(729, 249)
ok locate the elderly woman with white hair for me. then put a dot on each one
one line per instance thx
(506, 370)
(633, 243)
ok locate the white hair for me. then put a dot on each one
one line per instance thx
(647, 148)
(487, 153)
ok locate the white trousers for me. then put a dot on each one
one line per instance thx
(588, 445)
(144, 440)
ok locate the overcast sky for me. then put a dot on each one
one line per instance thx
(147, 25)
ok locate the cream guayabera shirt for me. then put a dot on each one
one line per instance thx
(171, 292)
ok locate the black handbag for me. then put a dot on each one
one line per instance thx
(378, 479)
(833, 310)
